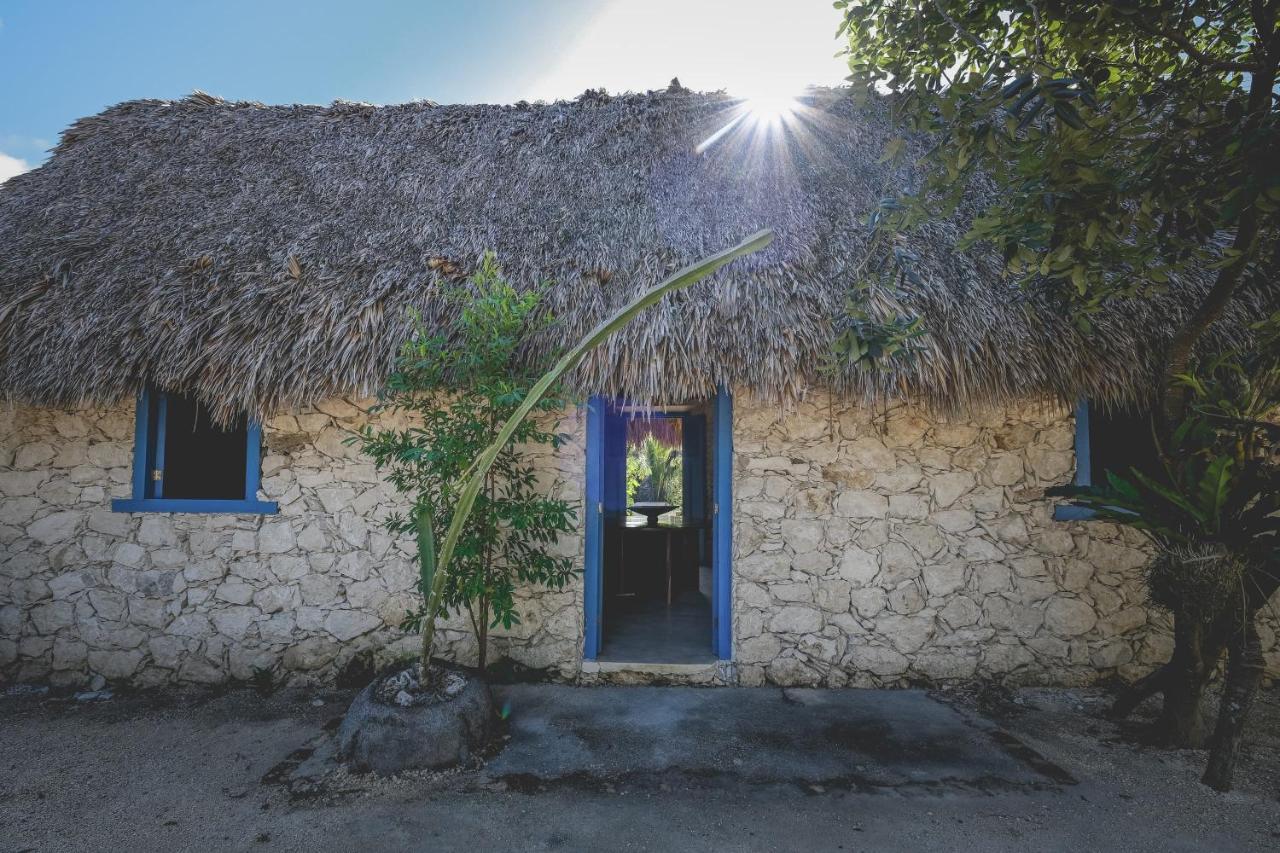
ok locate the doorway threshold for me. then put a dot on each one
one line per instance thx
(709, 672)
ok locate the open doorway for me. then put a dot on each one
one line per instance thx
(655, 564)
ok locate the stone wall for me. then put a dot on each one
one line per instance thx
(156, 597)
(887, 547)
(870, 548)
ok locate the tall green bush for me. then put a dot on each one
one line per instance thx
(459, 388)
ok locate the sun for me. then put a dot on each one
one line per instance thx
(771, 108)
(763, 112)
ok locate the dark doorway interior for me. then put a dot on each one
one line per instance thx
(657, 576)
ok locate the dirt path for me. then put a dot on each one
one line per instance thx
(627, 769)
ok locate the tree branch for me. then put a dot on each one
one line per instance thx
(1200, 56)
(959, 28)
(1175, 398)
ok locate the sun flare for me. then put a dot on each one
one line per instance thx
(771, 109)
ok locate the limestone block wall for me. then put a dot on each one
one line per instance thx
(157, 598)
(871, 547)
(881, 547)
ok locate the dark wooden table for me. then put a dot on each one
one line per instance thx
(676, 534)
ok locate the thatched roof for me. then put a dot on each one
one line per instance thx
(264, 256)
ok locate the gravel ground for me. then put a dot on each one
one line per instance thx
(219, 771)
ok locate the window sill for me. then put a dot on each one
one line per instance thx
(242, 507)
(1067, 512)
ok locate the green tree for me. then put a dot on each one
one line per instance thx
(662, 471)
(1215, 515)
(460, 388)
(1104, 150)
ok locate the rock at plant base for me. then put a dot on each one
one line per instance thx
(443, 731)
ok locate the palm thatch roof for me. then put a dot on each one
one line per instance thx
(264, 257)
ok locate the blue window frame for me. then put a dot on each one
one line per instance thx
(183, 462)
(1115, 440)
(1084, 467)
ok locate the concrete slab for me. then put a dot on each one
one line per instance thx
(833, 738)
(203, 771)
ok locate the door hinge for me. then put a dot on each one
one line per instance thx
(157, 474)
(600, 507)
(715, 508)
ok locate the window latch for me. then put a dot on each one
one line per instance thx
(157, 474)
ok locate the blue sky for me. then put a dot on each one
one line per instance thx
(70, 58)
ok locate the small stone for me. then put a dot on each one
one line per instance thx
(949, 487)
(1069, 617)
(858, 566)
(795, 620)
(862, 504)
(276, 537)
(55, 527)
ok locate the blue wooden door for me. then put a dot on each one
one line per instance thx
(722, 527)
(606, 497)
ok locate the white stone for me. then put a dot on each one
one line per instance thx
(906, 599)
(235, 592)
(276, 537)
(946, 578)
(1050, 465)
(156, 530)
(960, 612)
(924, 538)
(1069, 617)
(868, 601)
(876, 659)
(761, 649)
(833, 595)
(898, 563)
(858, 566)
(794, 619)
(1005, 469)
(954, 520)
(336, 407)
(763, 566)
(955, 435)
(55, 527)
(33, 455)
(273, 599)
(190, 625)
(68, 584)
(949, 487)
(18, 483)
(129, 554)
(234, 622)
(349, 624)
(107, 604)
(862, 504)
(801, 536)
(1020, 619)
(871, 454)
(907, 634)
(115, 664)
(908, 506)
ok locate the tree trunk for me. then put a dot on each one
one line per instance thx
(1181, 721)
(1133, 695)
(482, 634)
(1245, 668)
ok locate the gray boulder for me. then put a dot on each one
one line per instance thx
(389, 739)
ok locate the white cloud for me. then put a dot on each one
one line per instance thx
(10, 166)
(749, 47)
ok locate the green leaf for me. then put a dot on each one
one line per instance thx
(1213, 489)
(426, 550)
